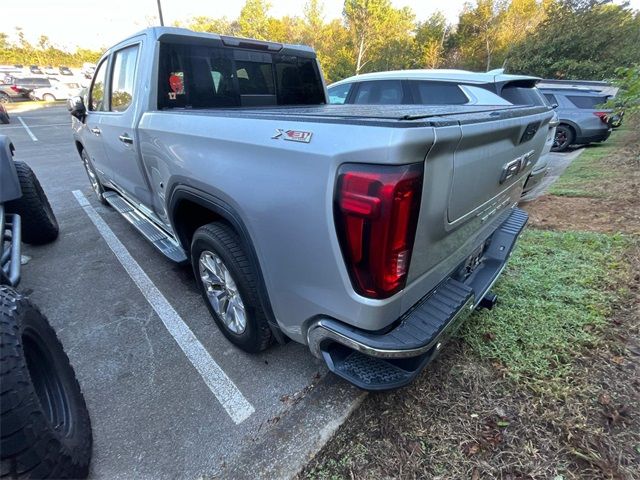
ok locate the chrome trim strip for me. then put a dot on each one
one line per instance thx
(320, 332)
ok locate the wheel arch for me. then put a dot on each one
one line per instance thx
(572, 125)
(190, 208)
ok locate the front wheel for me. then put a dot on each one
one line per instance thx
(47, 97)
(46, 430)
(564, 137)
(97, 187)
(228, 284)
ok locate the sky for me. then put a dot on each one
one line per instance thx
(95, 23)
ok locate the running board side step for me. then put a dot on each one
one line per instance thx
(158, 237)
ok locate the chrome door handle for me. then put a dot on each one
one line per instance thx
(95, 131)
(126, 139)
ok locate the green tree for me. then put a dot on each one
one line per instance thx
(254, 19)
(430, 40)
(376, 27)
(580, 39)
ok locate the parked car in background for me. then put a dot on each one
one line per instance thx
(49, 70)
(13, 93)
(88, 69)
(31, 83)
(4, 115)
(35, 70)
(65, 71)
(582, 119)
(57, 91)
(448, 87)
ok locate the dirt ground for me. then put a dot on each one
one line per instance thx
(469, 419)
(615, 206)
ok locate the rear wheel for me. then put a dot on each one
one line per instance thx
(228, 285)
(564, 137)
(46, 430)
(39, 224)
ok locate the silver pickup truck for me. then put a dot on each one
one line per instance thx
(366, 232)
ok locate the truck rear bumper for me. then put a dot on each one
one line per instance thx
(393, 358)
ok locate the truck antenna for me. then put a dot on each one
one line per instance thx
(160, 14)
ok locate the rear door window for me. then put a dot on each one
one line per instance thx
(551, 98)
(380, 92)
(122, 78)
(587, 102)
(437, 93)
(339, 93)
(519, 95)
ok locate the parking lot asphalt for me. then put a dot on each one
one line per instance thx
(154, 408)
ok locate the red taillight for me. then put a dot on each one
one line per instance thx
(376, 212)
(603, 116)
(15, 88)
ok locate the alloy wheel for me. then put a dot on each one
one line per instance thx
(222, 292)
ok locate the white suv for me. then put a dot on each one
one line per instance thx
(447, 87)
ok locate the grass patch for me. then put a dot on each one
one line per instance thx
(587, 170)
(556, 293)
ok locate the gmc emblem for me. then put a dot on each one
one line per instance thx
(514, 167)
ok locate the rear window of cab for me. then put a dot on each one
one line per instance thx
(198, 76)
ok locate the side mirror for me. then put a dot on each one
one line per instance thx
(76, 107)
(554, 106)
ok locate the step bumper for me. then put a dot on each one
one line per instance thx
(382, 361)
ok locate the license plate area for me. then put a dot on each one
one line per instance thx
(472, 262)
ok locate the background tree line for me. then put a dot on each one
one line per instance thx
(585, 39)
(43, 53)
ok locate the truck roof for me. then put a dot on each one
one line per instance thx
(158, 33)
(444, 75)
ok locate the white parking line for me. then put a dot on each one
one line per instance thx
(33, 137)
(66, 124)
(236, 405)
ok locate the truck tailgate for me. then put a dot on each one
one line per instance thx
(473, 173)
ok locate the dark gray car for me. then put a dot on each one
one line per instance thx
(582, 118)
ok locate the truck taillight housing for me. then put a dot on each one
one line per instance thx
(376, 212)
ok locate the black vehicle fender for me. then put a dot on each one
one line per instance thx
(226, 212)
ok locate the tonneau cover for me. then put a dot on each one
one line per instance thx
(379, 115)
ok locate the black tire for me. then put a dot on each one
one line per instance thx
(4, 118)
(47, 97)
(4, 98)
(96, 186)
(565, 136)
(46, 429)
(39, 224)
(220, 239)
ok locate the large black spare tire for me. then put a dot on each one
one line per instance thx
(45, 427)
(39, 224)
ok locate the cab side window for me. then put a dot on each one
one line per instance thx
(122, 78)
(97, 101)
